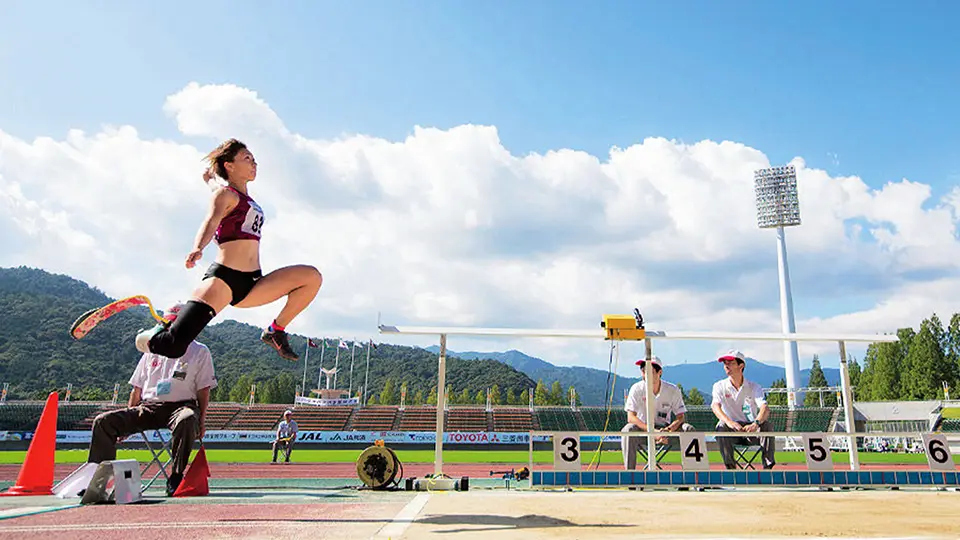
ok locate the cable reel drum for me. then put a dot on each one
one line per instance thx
(378, 467)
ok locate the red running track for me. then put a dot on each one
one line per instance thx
(8, 473)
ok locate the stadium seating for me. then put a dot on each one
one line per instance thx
(374, 418)
(511, 419)
(466, 419)
(595, 418)
(951, 425)
(811, 419)
(20, 416)
(701, 417)
(321, 418)
(418, 419)
(220, 414)
(23, 415)
(558, 419)
(258, 418)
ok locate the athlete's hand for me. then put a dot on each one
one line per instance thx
(193, 257)
(208, 175)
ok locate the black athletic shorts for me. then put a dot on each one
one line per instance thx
(240, 283)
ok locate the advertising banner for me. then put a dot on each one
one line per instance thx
(318, 402)
(307, 437)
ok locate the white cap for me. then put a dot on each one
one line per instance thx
(732, 354)
(654, 359)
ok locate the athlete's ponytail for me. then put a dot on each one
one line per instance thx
(222, 154)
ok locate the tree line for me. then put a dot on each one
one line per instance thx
(923, 365)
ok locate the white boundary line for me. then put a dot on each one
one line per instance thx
(404, 518)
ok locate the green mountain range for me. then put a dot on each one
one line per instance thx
(38, 355)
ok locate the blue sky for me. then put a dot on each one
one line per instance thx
(854, 87)
(873, 83)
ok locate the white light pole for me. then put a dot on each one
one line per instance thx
(778, 206)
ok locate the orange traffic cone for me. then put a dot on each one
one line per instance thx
(36, 474)
(194, 483)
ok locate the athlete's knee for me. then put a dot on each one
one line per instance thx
(313, 276)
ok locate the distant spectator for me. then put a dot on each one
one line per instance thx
(286, 436)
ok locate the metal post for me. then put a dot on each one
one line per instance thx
(849, 418)
(353, 350)
(651, 410)
(336, 364)
(306, 360)
(366, 377)
(441, 397)
(791, 353)
(323, 348)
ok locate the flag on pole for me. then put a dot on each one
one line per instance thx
(372, 344)
(343, 344)
(312, 343)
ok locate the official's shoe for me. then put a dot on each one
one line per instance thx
(278, 340)
(173, 482)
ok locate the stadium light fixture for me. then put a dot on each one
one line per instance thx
(778, 206)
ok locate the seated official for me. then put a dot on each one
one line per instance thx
(167, 393)
(668, 402)
(286, 436)
(731, 396)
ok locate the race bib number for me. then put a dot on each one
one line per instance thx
(253, 224)
(163, 388)
(566, 452)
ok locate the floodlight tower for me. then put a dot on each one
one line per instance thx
(777, 207)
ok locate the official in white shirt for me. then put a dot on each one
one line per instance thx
(740, 405)
(668, 402)
(167, 393)
(286, 436)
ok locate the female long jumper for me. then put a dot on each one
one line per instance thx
(234, 221)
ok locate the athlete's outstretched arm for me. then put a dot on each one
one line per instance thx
(222, 202)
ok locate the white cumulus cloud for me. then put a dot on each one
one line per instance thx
(450, 227)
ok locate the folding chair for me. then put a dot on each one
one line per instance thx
(287, 447)
(157, 457)
(742, 453)
(662, 450)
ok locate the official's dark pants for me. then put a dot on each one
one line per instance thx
(286, 445)
(629, 446)
(181, 417)
(767, 446)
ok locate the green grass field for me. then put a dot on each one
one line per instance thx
(449, 456)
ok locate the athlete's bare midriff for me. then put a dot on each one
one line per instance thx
(241, 255)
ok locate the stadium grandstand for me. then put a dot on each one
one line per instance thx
(879, 417)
